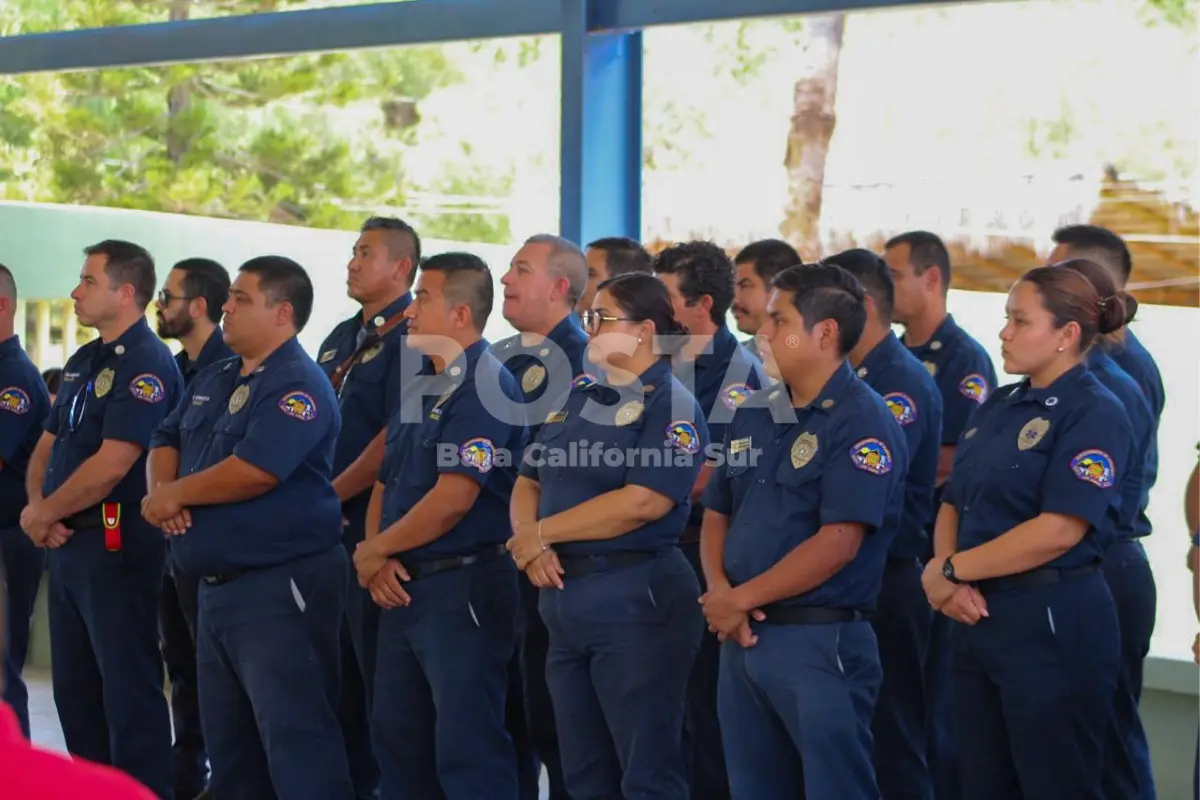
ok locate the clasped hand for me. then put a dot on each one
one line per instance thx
(727, 617)
(161, 508)
(961, 602)
(43, 531)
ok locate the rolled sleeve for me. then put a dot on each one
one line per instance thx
(1087, 464)
(681, 444)
(864, 466)
(286, 424)
(144, 392)
(480, 439)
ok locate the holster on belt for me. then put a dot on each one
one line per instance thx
(106, 516)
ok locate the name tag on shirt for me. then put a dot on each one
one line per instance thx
(328, 355)
(739, 445)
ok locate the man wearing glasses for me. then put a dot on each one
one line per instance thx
(85, 482)
(189, 310)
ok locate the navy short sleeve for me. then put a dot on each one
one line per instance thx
(145, 387)
(478, 439)
(682, 443)
(288, 420)
(167, 433)
(865, 465)
(1087, 464)
(966, 381)
(718, 495)
(22, 407)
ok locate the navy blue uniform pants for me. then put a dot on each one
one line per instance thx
(942, 747)
(902, 626)
(702, 726)
(1033, 686)
(1127, 756)
(796, 712)
(23, 564)
(358, 638)
(106, 669)
(441, 682)
(622, 643)
(177, 632)
(530, 712)
(269, 667)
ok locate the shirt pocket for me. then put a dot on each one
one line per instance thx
(800, 489)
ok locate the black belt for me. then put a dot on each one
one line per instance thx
(578, 566)
(423, 569)
(906, 563)
(87, 518)
(1042, 576)
(690, 535)
(802, 615)
(218, 578)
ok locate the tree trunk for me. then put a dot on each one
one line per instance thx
(813, 120)
(179, 97)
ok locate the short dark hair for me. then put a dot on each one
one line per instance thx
(53, 379)
(403, 235)
(769, 257)
(825, 291)
(468, 282)
(623, 255)
(127, 263)
(704, 269)
(203, 277)
(1097, 244)
(872, 274)
(283, 281)
(925, 250)
(8, 283)
(643, 297)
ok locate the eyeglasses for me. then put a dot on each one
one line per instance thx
(591, 319)
(166, 297)
(78, 406)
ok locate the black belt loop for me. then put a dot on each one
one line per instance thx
(423, 569)
(803, 615)
(578, 566)
(1042, 576)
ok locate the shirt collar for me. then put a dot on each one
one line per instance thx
(131, 336)
(942, 335)
(285, 352)
(460, 366)
(208, 353)
(723, 346)
(10, 346)
(833, 389)
(397, 306)
(1048, 396)
(886, 352)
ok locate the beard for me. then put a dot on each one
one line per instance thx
(174, 328)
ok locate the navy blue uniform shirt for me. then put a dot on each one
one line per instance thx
(121, 390)
(1062, 449)
(1135, 488)
(842, 460)
(455, 432)
(892, 371)
(24, 404)
(214, 350)
(546, 371)
(650, 433)
(281, 418)
(1131, 356)
(721, 379)
(963, 372)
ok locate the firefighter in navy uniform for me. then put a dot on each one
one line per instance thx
(362, 357)
(546, 356)
(86, 480)
(188, 310)
(24, 404)
(721, 373)
(240, 478)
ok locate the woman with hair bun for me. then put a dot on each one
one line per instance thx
(1036, 482)
(596, 514)
(1125, 566)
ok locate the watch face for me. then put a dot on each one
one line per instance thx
(947, 569)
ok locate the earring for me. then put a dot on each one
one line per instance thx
(639, 340)
(1060, 349)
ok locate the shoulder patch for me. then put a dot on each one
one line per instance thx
(735, 394)
(148, 388)
(872, 455)
(683, 436)
(974, 387)
(299, 405)
(1095, 467)
(903, 407)
(583, 380)
(15, 400)
(478, 454)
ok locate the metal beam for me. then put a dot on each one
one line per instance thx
(601, 145)
(377, 25)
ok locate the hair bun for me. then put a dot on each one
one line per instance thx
(1116, 311)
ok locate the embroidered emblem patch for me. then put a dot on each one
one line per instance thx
(146, 387)
(873, 456)
(903, 408)
(734, 395)
(974, 387)
(1095, 467)
(15, 400)
(583, 380)
(299, 406)
(479, 454)
(683, 436)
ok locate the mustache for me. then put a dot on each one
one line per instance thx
(739, 309)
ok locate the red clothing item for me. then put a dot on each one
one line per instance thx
(29, 773)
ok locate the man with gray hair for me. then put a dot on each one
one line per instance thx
(544, 281)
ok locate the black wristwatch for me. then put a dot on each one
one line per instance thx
(948, 571)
